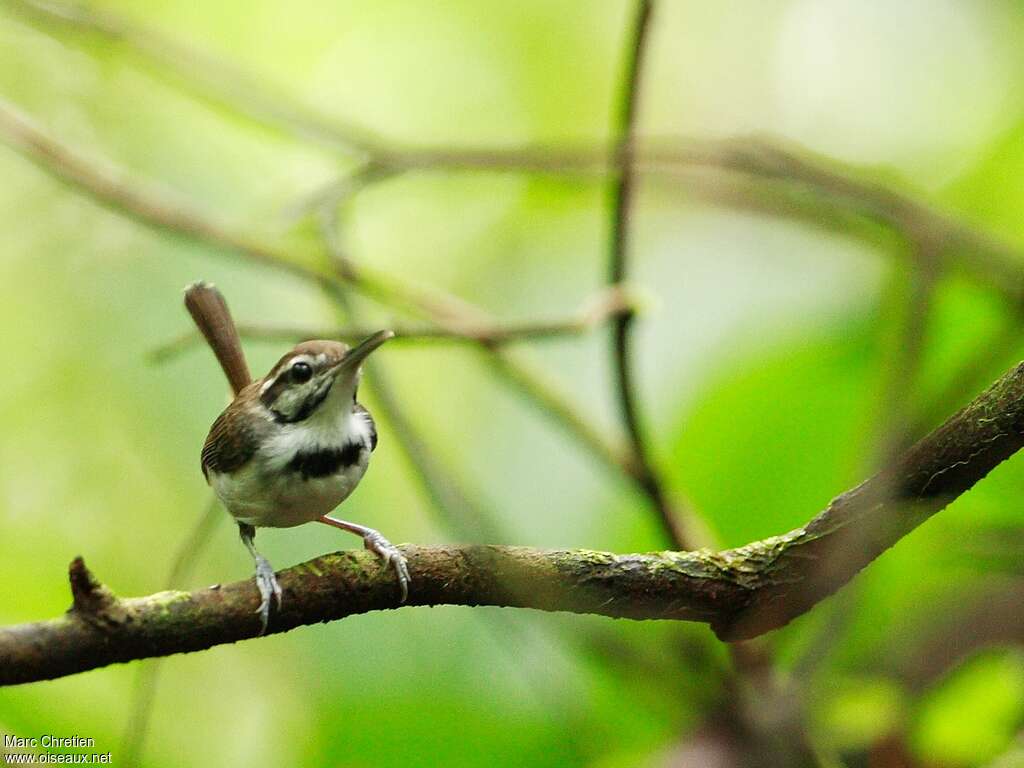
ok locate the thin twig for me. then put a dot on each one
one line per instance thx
(208, 75)
(669, 515)
(111, 187)
(538, 387)
(608, 303)
(750, 173)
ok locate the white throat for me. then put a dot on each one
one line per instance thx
(334, 424)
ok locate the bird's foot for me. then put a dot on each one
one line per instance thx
(375, 542)
(389, 553)
(270, 590)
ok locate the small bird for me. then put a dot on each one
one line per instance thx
(291, 446)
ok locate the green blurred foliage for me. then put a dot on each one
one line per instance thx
(858, 713)
(766, 353)
(970, 719)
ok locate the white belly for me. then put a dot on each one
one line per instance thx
(283, 499)
(267, 492)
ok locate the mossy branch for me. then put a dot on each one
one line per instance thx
(741, 593)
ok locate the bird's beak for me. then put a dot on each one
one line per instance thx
(350, 362)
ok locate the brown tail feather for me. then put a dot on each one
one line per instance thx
(210, 313)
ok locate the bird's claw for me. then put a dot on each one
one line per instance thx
(390, 554)
(269, 589)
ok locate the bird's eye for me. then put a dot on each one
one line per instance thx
(301, 372)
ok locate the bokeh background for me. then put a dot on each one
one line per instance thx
(772, 357)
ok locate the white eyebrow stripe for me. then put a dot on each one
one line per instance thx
(298, 358)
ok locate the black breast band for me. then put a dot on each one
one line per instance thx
(323, 462)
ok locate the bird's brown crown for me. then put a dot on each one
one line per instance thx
(322, 350)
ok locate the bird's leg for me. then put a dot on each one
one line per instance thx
(375, 542)
(265, 578)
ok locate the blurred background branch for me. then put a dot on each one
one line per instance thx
(832, 186)
(673, 516)
(609, 303)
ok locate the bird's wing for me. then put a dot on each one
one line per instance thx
(226, 449)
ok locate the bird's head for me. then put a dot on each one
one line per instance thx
(314, 374)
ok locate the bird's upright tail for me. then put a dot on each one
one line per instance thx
(210, 312)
